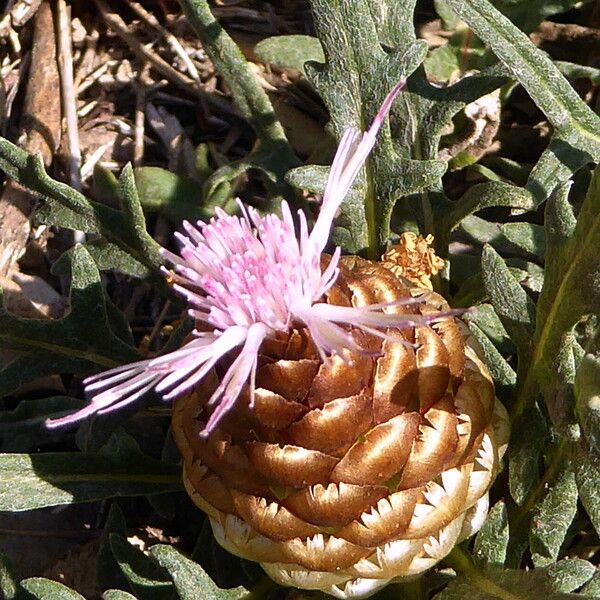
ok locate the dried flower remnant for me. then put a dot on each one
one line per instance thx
(251, 277)
(413, 258)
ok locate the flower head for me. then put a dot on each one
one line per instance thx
(249, 277)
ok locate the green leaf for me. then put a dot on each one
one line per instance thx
(65, 207)
(176, 195)
(553, 519)
(191, 581)
(109, 257)
(29, 481)
(502, 373)
(275, 156)
(8, 581)
(511, 303)
(525, 452)
(528, 14)
(571, 291)
(587, 393)
(587, 475)
(108, 573)
(24, 429)
(77, 343)
(357, 75)
(527, 236)
(575, 71)
(569, 574)
(290, 51)
(552, 583)
(147, 580)
(46, 589)
(576, 137)
(478, 197)
(487, 320)
(117, 595)
(492, 540)
(134, 215)
(591, 589)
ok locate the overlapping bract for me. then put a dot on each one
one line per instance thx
(346, 474)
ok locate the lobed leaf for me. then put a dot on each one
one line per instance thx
(571, 291)
(290, 51)
(77, 343)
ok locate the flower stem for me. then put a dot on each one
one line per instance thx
(463, 564)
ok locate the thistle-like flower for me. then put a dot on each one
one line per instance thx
(248, 278)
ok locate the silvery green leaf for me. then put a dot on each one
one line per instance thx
(31, 481)
(290, 51)
(571, 291)
(353, 84)
(502, 373)
(8, 581)
(511, 303)
(576, 139)
(190, 580)
(493, 583)
(569, 574)
(492, 540)
(527, 236)
(487, 320)
(525, 452)
(75, 343)
(480, 196)
(591, 589)
(587, 394)
(147, 580)
(46, 589)
(587, 474)
(553, 518)
(575, 71)
(117, 595)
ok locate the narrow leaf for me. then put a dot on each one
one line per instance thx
(492, 540)
(587, 474)
(146, 579)
(46, 589)
(525, 451)
(29, 481)
(8, 581)
(117, 595)
(587, 393)
(191, 581)
(552, 521)
(511, 303)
